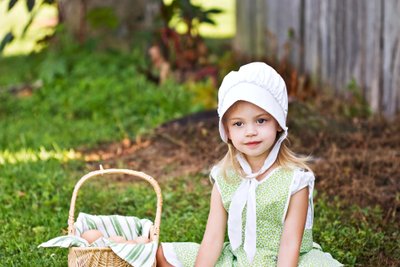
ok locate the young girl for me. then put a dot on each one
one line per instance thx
(262, 193)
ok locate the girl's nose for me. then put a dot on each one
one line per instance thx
(251, 130)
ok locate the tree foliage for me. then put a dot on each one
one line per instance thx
(32, 7)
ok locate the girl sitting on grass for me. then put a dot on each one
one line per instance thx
(262, 192)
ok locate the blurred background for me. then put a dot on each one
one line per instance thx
(133, 84)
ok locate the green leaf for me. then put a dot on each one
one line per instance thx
(6, 40)
(30, 4)
(11, 4)
(214, 11)
(208, 20)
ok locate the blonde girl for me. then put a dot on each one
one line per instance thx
(262, 195)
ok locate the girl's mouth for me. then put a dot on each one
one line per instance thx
(253, 143)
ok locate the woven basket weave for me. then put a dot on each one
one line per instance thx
(103, 256)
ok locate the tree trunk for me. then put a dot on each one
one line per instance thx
(111, 22)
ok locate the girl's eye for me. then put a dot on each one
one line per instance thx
(261, 121)
(238, 123)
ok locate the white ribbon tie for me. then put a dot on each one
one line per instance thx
(246, 194)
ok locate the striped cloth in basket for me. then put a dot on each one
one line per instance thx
(129, 227)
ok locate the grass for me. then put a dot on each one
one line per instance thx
(102, 103)
(86, 99)
(352, 234)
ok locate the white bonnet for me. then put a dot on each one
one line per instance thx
(259, 84)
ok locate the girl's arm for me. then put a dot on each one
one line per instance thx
(293, 229)
(214, 235)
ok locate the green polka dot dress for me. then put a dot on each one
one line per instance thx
(272, 199)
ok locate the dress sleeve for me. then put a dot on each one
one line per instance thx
(302, 179)
(214, 174)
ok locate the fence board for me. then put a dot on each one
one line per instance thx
(312, 45)
(371, 61)
(391, 55)
(287, 30)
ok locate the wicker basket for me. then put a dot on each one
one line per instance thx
(103, 256)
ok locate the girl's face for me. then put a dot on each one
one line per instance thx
(251, 130)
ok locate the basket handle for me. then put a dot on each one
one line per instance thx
(156, 228)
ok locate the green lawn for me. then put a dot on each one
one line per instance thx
(86, 99)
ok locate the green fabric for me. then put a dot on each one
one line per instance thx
(272, 196)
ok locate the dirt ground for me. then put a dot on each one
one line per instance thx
(357, 160)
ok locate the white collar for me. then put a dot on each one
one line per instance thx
(246, 194)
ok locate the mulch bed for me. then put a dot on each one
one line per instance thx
(357, 160)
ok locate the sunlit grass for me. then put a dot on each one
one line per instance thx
(29, 155)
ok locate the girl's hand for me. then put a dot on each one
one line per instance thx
(293, 229)
(214, 236)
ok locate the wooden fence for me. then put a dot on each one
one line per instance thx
(336, 42)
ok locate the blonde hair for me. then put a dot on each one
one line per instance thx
(286, 158)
